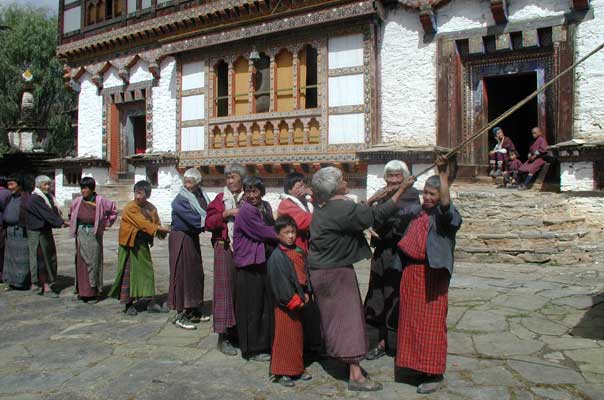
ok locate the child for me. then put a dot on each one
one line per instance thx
(288, 279)
(140, 223)
(510, 177)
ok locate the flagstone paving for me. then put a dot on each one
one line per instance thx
(516, 331)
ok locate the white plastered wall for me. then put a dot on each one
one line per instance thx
(90, 119)
(164, 108)
(63, 193)
(589, 98)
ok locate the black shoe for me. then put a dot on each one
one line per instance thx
(431, 384)
(375, 353)
(130, 310)
(262, 357)
(227, 348)
(285, 380)
(366, 386)
(185, 323)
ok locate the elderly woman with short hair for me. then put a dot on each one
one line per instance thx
(185, 294)
(221, 221)
(382, 300)
(337, 243)
(43, 214)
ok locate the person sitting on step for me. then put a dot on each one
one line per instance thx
(498, 157)
(510, 176)
(535, 158)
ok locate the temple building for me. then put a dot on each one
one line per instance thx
(294, 85)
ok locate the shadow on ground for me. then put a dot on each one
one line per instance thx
(591, 325)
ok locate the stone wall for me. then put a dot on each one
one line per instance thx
(90, 119)
(164, 108)
(577, 176)
(100, 175)
(589, 101)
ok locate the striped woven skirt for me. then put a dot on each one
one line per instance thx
(422, 327)
(288, 344)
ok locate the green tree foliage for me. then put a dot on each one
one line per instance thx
(31, 39)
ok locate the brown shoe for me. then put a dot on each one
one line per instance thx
(366, 386)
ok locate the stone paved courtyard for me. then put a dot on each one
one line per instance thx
(517, 331)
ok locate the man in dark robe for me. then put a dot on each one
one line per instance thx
(382, 300)
(43, 214)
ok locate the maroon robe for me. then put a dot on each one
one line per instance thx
(538, 148)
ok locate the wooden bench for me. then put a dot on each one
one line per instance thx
(538, 184)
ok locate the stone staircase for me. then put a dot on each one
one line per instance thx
(505, 225)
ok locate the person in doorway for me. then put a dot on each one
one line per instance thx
(382, 300)
(337, 242)
(140, 224)
(535, 161)
(253, 242)
(5, 195)
(185, 294)
(221, 221)
(16, 251)
(290, 286)
(498, 157)
(43, 214)
(90, 215)
(510, 176)
(427, 247)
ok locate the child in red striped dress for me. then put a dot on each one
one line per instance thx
(288, 278)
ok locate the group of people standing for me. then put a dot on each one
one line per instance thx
(284, 282)
(504, 159)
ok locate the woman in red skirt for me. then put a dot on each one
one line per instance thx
(427, 251)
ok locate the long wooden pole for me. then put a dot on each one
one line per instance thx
(513, 109)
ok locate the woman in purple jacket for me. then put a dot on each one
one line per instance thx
(253, 239)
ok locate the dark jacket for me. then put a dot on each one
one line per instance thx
(184, 217)
(5, 196)
(283, 280)
(336, 232)
(40, 216)
(444, 225)
(390, 230)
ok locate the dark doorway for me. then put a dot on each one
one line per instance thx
(502, 93)
(139, 131)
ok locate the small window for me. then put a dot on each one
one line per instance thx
(309, 93)
(221, 99)
(72, 176)
(262, 84)
(284, 81)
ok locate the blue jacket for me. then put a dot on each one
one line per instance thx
(444, 225)
(184, 217)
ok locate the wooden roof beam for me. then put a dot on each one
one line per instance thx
(499, 9)
(427, 18)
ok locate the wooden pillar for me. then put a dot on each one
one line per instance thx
(273, 74)
(231, 77)
(295, 92)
